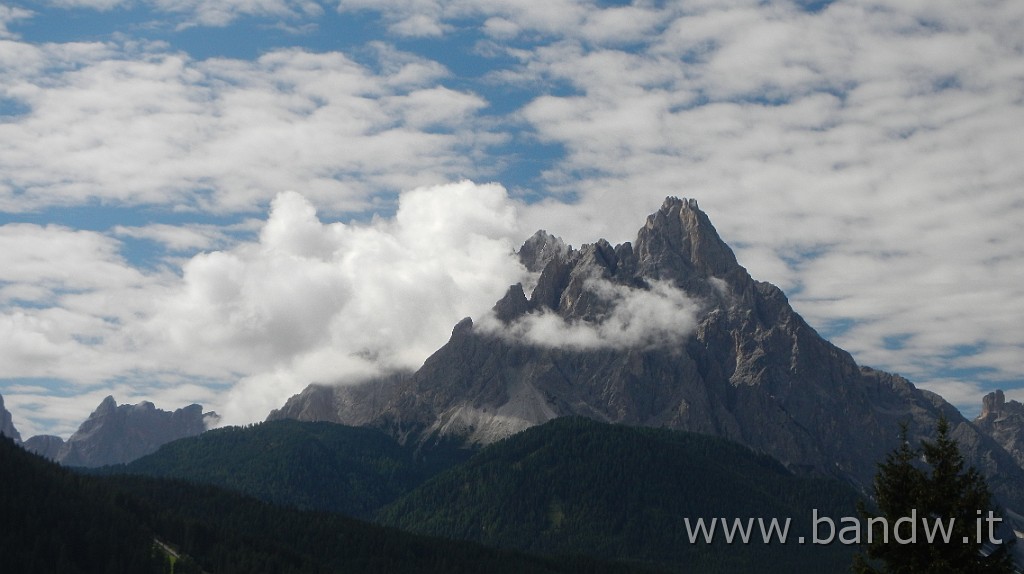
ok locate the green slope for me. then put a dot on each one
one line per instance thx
(582, 487)
(305, 465)
(227, 533)
(52, 520)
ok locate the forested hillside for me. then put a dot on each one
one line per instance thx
(578, 486)
(52, 520)
(313, 466)
(227, 533)
(570, 487)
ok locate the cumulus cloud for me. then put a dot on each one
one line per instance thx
(244, 328)
(661, 316)
(338, 302)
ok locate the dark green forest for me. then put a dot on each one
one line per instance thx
(578, 486)
(304, 465)
(569, 487)
(53, 520)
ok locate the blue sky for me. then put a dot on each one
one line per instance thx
(223, 201)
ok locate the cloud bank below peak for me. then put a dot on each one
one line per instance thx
(660, 316)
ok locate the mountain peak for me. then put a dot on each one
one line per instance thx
(121, 433)
(672, 202)
(669, 331)
(540, 249)
(678, 242)
(1003, 420)
(108, 405)
(992, 404)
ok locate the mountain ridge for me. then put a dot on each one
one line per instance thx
(115, 434)
(735, 360)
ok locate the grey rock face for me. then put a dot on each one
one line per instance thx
(541, 248)
(45, 445)
(7, 424)
(1003, 421)
(118, 434)
(513, 305)
(354, 404)
(749, 368)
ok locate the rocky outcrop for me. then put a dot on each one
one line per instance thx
(1003, 421)
(541, 248)
(7, 423)
(118, 434)
(357, 405)
(732, 358)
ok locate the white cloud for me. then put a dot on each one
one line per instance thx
(307, 301)
(58, 259)
(335, 302)
(659, 317)
(10, 14)
(621, 24)
(433, 18)
(187, 238)
(216, 13)
(68, 298)
(108, 123)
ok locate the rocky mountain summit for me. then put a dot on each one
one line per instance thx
(45, 445)
(115, 434)
(667, 331)
(1003, 421)
(7, 424)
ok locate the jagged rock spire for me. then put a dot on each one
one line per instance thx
(679, 241)
(121, 433)
(992, 404)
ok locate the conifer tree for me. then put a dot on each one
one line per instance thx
(931, 484)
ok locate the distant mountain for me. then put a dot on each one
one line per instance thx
(312, 466)
(576, 486)
(7, 424)
(668, 331)
(117, 434)
(45, 445)
(1004, 421)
